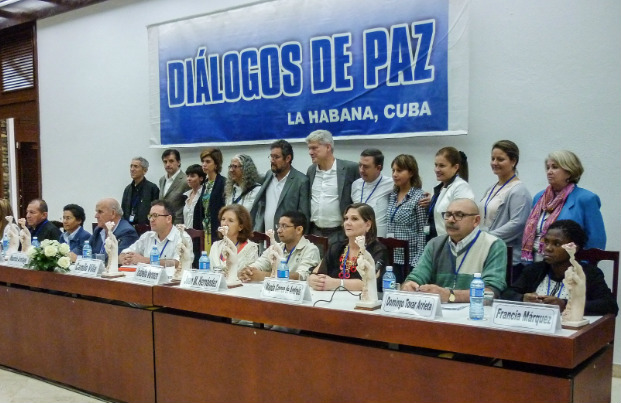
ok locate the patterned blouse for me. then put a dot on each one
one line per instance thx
(407, 220)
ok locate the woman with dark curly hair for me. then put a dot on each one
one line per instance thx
(242, 184)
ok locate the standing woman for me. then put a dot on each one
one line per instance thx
(242, 184)
(195, 178)
(506, 204)
(239, 222)
(406, 216)
(451, 169)
(212, 196)
(563, 200)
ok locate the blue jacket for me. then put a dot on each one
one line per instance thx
(124, 232)
(76, 244)
(582, 206)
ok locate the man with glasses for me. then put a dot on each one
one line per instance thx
(284, 189)
(163, 235)
(302, 256)
(449, 262)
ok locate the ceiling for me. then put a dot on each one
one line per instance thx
(14, 12)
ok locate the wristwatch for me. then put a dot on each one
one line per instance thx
(451, 295)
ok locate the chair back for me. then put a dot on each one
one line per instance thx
(321, 242)
(260, 239)
(141, 228)
(511, 274)
(595, 255)
(392, 244)
(197, 235)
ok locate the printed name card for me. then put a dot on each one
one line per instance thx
(88, 267)
(408, 304)
(526, 316)
(285, 291)
(151, 275)
(18, 260)
(203, 280)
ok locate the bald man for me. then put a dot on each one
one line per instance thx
(449, 261)
(110, 210)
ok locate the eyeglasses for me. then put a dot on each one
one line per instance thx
(284, 226)
(274, 157)
(458, 215)
(155, 215)
(233, 166)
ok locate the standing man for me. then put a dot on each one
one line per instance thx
(174, 183)
(372, 187)
(38, 224)
(139, 194)
(110, 210)
(284, 189)
(330, 183)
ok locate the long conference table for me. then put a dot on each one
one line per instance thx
(136, 343)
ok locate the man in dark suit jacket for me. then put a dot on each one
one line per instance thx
(37, 222)
(284, 189)
(109, 210)
(329, 195)
(173, 184)
(139, 194)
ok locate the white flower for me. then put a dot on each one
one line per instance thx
(46, 242)
(63, 248)
(31, 252)
(64, 262)
(50, 250)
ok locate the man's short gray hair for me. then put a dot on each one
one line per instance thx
(320, 136)
(143, 162)
(116, 207)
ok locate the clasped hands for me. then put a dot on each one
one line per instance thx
(443, 292)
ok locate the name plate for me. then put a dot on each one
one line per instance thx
(418, 304)
(88, 267)
(526, 316)
(285, 291)
(18, 260)
(151, 275)
(203, 280)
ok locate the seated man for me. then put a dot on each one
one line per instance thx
(37, 222)
(449, 262)
(110, 210)
(75, 234)
(300, 253)
(163, 235)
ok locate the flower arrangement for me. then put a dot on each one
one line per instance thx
(50, 256)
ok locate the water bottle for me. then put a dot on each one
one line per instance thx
(35, 242)
(203, 262)
(283, 270)
(155, 256)
(389, 281)
(477, 290)
(5, 245)
(87, 251)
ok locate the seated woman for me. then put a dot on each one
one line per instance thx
(339, 266)
(74, 235)
(542, 282)
(237, 218)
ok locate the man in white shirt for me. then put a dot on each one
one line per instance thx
(330, 182)
(163, 235)
(373, 188)
(174, 183)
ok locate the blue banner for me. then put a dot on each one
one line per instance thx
(284, 68)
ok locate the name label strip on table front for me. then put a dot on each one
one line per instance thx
(88, 267)
(409, 304)
(203, 280)
(151, 275)
(18, 260)
(285, 291)
(526, 316)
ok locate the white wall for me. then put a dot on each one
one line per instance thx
(544, 74)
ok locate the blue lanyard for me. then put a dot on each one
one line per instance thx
(373, 191)
(543, 216)
(289, 257)
(38, 228)
(398, 206)
(489, 197)
(432, 203)
(165, 245)
(456, 272)
(233, 199)
(559, 291)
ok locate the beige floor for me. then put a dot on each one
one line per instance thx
(19, 388)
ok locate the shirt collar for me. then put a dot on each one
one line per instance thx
(456, 248)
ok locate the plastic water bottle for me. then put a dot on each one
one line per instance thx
(477, 290)
(155, 256)
(5, 245)
(35, 242)
(203, 262)
(87, 251)
(389, 281)
(283, 270)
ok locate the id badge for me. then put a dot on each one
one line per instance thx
(426, 229)
(131, 218)
(390, 235)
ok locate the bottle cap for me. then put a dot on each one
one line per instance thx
(388, 268)
(477, 275)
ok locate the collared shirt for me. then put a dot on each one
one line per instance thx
(325, 208)
(375, 194)
(246, 200)
(166, 247)
(188, 207)
(406, 220)
(303, 259)
(272, 195)
(169, 181)
(68, 237)
(456, 248)
(103, 235)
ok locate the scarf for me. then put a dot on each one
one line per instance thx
(550, 203)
